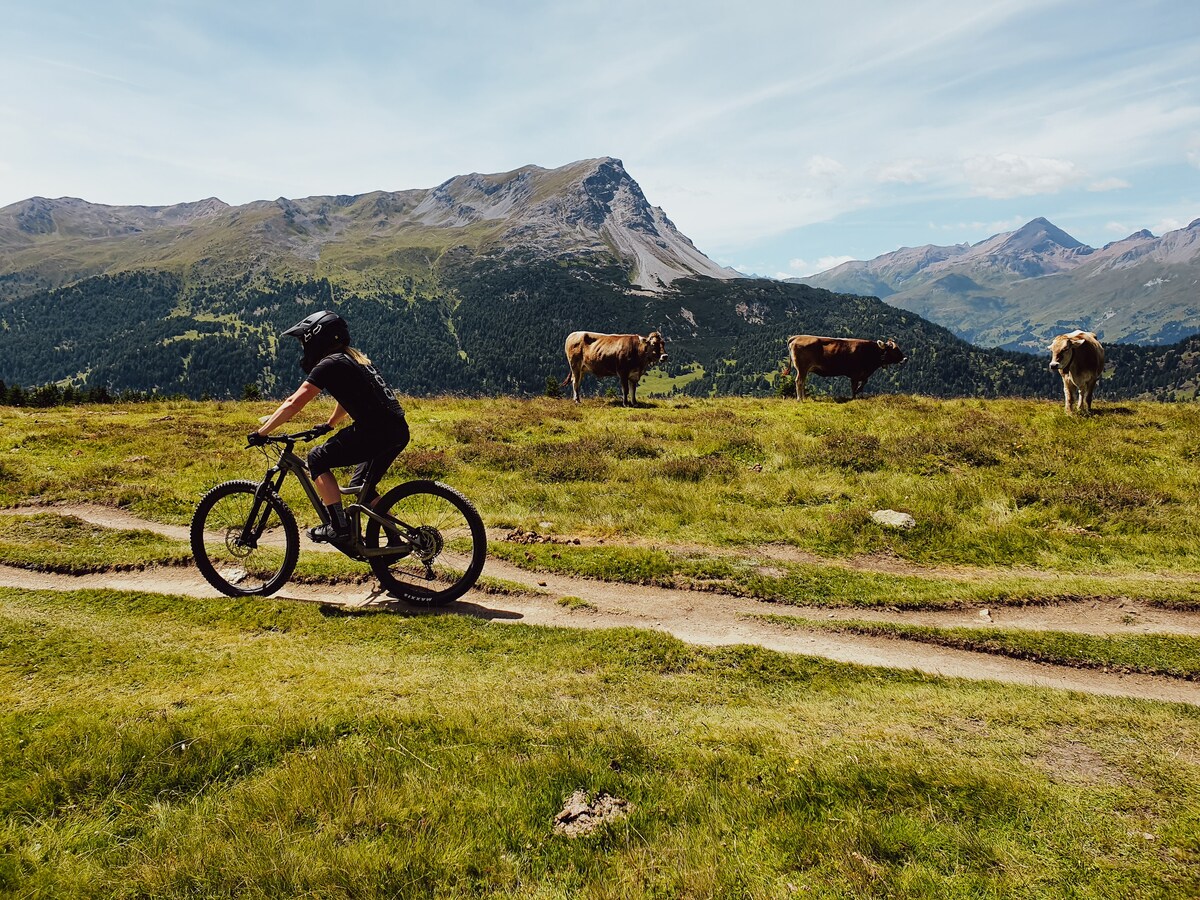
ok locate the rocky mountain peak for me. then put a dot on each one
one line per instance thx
(1019, 288)
(591, 209)
(1039, 236)
(1136, 238)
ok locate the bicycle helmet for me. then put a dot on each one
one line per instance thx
(320, 334)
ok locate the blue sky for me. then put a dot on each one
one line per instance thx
(781, 136)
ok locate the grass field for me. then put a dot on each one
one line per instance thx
(157, 746)
(161, 747)
(990, 483)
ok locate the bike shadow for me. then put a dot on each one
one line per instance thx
(380, 602)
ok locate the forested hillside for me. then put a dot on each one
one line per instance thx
(496, 326)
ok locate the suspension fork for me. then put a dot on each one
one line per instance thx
(260, 511)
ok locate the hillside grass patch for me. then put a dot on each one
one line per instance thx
(47, 542)
(1002, 482)
(160, 746)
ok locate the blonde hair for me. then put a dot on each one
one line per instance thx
(358, 356)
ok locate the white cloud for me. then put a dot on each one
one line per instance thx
(798, 268)
(997, 226)
(905, 171)
(1008, 175)
(1193, 154)
(1108, 184)
(1169, 224)
(825, 168)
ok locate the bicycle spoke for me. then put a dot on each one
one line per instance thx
(226, 551)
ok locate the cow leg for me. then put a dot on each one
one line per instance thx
(855, 387)
(576, 379)
(800, 378)
(1067, 398)
(633, 391)
(1086, 395)
(624, 390)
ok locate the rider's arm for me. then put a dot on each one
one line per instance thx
(339, 413)
(290, 407)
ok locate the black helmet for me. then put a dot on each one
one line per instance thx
(320, 334)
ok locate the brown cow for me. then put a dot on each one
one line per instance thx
(1078, 357)
(854, 358)
(627, 356)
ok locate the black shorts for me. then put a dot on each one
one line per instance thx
(371, 451)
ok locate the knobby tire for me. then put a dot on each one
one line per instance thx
(446, 522)
(240, 571)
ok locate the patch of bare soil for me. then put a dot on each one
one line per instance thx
(708, 618)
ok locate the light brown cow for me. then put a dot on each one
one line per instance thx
(854, 358)
(627, 356)
(1078, 357)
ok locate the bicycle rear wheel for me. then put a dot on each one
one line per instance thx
(447, 539)
(240, 557)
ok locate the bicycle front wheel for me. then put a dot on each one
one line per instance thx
(444, 536)
(244, 546)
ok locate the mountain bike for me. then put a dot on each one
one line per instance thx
(424, 540)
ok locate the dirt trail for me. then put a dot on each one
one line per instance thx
(710, 619)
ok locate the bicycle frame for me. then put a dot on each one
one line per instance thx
(289, 463)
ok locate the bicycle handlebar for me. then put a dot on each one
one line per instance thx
(310, 434)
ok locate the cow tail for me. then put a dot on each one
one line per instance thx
(565, 380)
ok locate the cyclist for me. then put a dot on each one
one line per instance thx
(378, 431)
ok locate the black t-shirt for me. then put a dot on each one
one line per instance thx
(360, 390)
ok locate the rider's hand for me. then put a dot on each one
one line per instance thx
(323, 428)
(254, 439)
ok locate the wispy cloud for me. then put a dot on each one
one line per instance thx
(1008, 175)
(1108, 184)
(746, 123)
(798, 268)
(906, 171)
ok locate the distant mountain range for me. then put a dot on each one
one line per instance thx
(1018, 289)
(589, 210)
(468, 287)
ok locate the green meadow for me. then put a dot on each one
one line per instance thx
(161, 746)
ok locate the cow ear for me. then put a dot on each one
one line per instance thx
(881, 344)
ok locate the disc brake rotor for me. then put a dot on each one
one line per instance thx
(427, 542)
(233, 542)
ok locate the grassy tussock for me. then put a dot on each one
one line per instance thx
(169, 747)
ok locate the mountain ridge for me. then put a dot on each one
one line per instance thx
(471, 286)
(1017, 289)
(587, 208)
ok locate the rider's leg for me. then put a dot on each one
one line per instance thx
(372, 469)
(331, 496)
(327, 488)
(320, 461)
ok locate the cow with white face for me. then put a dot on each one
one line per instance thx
(1078, 357)
(855, 358)
(627, 356)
